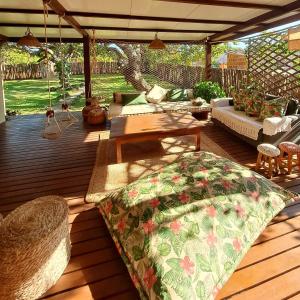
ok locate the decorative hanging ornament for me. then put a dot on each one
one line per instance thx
(29, 40)
(52, 129)
(157, 44)
(67, 118)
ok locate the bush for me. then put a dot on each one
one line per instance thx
(208, 90)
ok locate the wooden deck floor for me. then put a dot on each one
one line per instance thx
(31, 166)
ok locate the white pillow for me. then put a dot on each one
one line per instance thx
(156, 94)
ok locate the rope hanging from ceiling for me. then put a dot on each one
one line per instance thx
(52, 129)
(67, 115)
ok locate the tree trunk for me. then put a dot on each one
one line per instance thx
(131, 67)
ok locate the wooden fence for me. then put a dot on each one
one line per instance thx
(229, 77)
(37, 71)
(99, 68)
(180, 75)
(22, 71)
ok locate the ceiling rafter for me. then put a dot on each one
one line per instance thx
(79, 40)
(225, 3)
(277, 23)
(104, 28)
(259, 20)
(61, 11)
(120, 16)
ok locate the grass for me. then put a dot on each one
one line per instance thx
(31, 96)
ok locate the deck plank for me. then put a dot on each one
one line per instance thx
(31, 166)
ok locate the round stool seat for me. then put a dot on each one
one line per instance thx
(268, 150)
(289, 147)
(34, 248)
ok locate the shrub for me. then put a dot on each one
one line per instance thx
(208, 90)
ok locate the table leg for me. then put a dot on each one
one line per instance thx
(119, 152)
(198, 142)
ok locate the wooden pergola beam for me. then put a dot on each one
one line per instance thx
(208, 54)
(138, 41)
(226, 4)
(61, 11)
(87, 66)
(277, 23)
(104, 28)
(260, 19)
(3, 38)
(121, 16)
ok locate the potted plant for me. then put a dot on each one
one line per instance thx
(208, 90)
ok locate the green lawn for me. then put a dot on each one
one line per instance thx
(31, 96)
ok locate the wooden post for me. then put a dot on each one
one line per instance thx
(208, 75)
(87, 66)
(2, 101)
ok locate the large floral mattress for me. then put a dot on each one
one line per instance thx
(182, 231)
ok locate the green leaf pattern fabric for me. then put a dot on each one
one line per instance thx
(253, 105)
(182, 231)
(273, 108)
(238, 100)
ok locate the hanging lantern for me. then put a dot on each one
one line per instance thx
(157, 44)
(29, 40)
(294, 39)
(52, 129)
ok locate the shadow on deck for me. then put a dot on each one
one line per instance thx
(31, 167)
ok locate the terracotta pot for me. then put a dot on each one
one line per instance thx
(86, 110)
(96, 116)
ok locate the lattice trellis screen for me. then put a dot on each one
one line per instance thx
(275, 69)
(136, 67)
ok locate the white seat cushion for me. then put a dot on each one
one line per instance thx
(238, 121)
(268, 150)
(156, 94)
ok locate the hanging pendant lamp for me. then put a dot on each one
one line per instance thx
(29, 40)
(157, 44)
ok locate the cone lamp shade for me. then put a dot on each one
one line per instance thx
(29, 40)
(157, 44)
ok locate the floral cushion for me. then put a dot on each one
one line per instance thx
(182, 231)
(273, 108)
(253, 105)
(239, 100)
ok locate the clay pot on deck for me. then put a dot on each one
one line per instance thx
(86, 110)
(96, 116)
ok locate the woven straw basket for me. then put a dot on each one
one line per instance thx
(34, 248)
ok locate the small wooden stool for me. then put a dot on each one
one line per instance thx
(287, 151)
(267, 153)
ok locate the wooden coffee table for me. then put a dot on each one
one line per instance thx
(140, 128)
